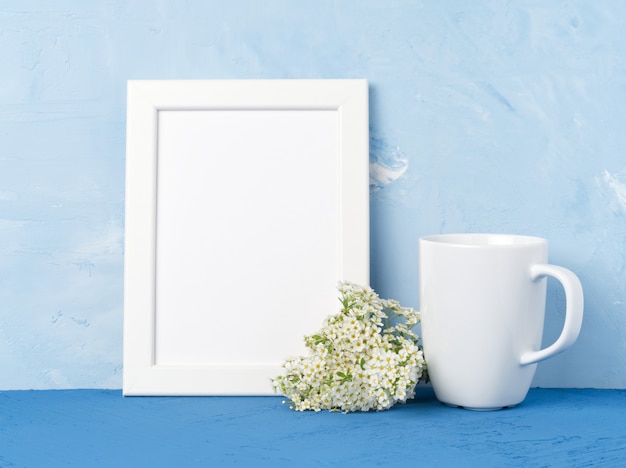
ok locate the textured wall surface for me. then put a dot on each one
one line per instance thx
(485, 116)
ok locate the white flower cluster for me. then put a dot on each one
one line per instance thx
(364, 358)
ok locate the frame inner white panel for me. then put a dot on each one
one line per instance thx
(247, 226)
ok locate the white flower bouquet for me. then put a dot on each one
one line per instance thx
(366, 357)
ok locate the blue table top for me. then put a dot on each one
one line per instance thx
(552, 427)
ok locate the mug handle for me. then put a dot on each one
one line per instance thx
(573, 311)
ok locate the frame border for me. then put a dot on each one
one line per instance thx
(141, 374)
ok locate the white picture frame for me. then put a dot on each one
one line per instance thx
(247, 201)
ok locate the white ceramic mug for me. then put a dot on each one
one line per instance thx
(482, 299)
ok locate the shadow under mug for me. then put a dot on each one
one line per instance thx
(482, 300)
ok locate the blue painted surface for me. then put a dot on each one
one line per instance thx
(572, 428)
(485, 116)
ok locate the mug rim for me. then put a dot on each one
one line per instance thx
(484, 240)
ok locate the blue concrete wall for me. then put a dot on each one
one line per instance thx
(485, 116)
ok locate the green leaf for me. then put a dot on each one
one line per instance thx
(317, 339)
(344, 377)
